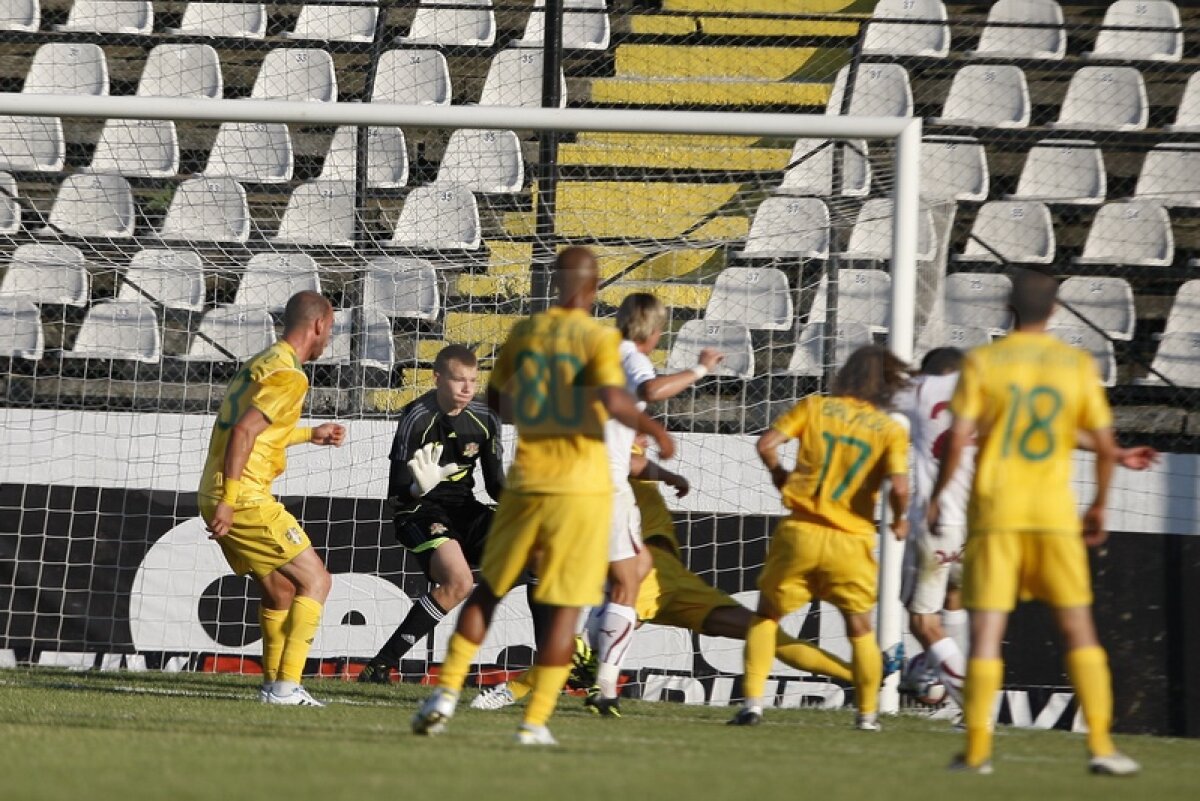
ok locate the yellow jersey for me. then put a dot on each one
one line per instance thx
(847, 448)
(1028, 394)
(656, 517)
(549, 371)
(273, 383)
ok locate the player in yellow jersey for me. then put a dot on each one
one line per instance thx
(558, 377)
(848, 447)
(1026, 399)
(255, 426)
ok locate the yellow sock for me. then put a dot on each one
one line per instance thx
(984, 679)
(522, 685)
(760, 652)
(867, 664)
(271, 622)
(547, 683)
(458, 661)
(299, 630)
(1088, 670)
(805, 656)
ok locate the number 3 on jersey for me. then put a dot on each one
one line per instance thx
(547, 389)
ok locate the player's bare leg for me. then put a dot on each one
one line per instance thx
(612, 627)
(312, 583)
(277, 596)
(734, 622)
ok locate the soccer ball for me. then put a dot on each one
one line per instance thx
(922, 683)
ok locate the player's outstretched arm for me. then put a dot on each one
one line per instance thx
(1105, 446)
(241, 442)
(622, 407)
(665, 387)
(1135, 457)
(332, 434)
(643, 469)
(768, 451)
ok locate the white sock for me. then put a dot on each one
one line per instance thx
(951, 666)
(283, 688)
(753, 705)
(613, 636)
(957, 625)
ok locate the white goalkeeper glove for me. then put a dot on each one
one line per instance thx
(426, 471)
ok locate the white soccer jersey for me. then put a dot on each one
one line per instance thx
(927, 405)
(619, 437)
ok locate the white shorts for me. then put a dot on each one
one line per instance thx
(932, 565)
(625, 538)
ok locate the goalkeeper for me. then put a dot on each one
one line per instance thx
(441, 437)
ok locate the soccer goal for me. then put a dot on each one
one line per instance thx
(140, 273)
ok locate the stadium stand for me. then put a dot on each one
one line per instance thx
(119, 330)
(110, 16)
(224, 20)
(173, 278)
(1017, 231)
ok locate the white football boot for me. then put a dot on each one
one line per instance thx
(494, 698)
(534, 735)
(1115, 764)
(432, 716)
(297, 697)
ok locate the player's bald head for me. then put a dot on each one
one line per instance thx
(303, 309)
(576, 277)
(1033, 296)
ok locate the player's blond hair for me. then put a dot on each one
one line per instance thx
(641, 316)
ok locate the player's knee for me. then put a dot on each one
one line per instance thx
(317, 584)
(458, 586)
(925, 627)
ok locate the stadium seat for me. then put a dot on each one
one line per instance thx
(811, 168)
(110, 16)
(271, 278)
(732, 339)
(238, 20)
(1069, 172)
(1178, 359)
(1171, 176)
(871, 238)
(413, 78)
(1104, 301)
(20, 15)
(789, 227)
(1187, 114)
(239, 330)
(808, 359)
(758, 297)
(1116, 42)
(1137, 233)
(980, 300)
(254, 152)
(1105, 99)
(1095, 343)
(438, 218)
(472, 25)
(376, 348)
(10, 209)
(987, 96)
(585, 26)
(514, 78)
(1001, 39)
(319, 213)
(880, 90)
(119, 330)
(93, 206)
(864, 296)
(181, 70)
(1185, 310)
(331, 22)
(932, 41)
(173, 278)
(387, 157)
(483, 161)
(20, 330)
(964, 337)
(294, 73)
(208, 210)
(397, 287)
(47, 274)
(954, 168)
(1021, 231)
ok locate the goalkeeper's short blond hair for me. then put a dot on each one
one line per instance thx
(641, 316)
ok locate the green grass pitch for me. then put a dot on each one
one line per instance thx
(187, 736)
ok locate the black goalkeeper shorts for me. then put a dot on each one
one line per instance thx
(424, 526)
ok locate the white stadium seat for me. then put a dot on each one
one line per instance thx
(1136, 233)
(181, 70)
(1005, 40)
(931, 41)
(978, 299)
(271, 278)
(239, 20)
(732, 339)
(1185, 310)
(10, 209)
(399, 287)
(174, 278)
(514, 78)
(1171, 176)
(387, 157)
(319, 213)
(808, 359)
(47, 274)
(1094, 343)
(296, 73)
(864, 296)
(110, 16)
(208, 210)
(1021, 231)
(871, 238)
(412, 78)
(987, 96)
(239, 330)
(254, 152)
(585, 26)
(331, 22)
(483, 161)
(20, 15)
(811, 170)
(758, 297)
(469, 23)
(93, 206)
(789, 227)
(376, 348)
(1104, 301)
(1116, 42)
(954, 168)
(20, 330)
(1105, 99)
(880, 90)
(964, 337)
(1070, 172)
(1187, 114)
(1178, 359)
(438, 218)
(120, 330)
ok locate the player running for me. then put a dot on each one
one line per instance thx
(255, 425)
(848, 447)
(558, 377)
(1026, 397)
(440, 438)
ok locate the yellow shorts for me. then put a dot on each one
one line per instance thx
(264, 536)
(1000, 567)
(562, 538)
(806, 561)
(672, 595)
